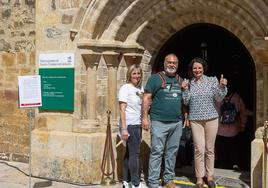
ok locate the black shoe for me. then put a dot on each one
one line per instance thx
(211, 184)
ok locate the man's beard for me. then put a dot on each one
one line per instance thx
(170, 71)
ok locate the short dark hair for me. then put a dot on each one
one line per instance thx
(197, 60)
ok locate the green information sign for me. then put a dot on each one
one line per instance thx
(57, 85)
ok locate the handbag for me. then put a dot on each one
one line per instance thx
(186, 134)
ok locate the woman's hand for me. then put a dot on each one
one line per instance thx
(186, 123)
(124, 134)
(223, 82)
(184, 85)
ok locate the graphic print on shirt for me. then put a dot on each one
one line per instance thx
(172, 91)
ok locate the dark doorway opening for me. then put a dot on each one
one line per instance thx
(226, 55)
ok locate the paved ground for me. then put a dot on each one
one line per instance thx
(14, 175)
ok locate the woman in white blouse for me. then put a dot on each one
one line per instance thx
(130, 125)
(200, 93)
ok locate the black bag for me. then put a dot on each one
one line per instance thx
(229, 114)
(186, 134)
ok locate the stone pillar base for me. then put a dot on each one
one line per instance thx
(67, 156)
(256, 163)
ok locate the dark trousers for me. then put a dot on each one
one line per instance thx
(131, 163)
(227, 151)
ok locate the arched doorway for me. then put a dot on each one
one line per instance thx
(226, 55)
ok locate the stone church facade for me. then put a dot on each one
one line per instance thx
(106, 37)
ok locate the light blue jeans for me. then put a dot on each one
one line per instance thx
(165, 140)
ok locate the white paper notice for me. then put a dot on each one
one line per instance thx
(29, 91)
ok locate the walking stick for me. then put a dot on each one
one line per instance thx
(108, 157)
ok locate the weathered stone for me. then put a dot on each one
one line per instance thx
(6, 14)
(53, 5)
(24, 45)
(8, 59)
(32, 58)
(6, 108)
(67, 19)
(11, 95)
(25, 71)
(32, 33)
(53, 32)
(21, 58)
(5, 1)
(65, 4)
(1, 74)
(17, 3)
(30, 2)
(4, 45)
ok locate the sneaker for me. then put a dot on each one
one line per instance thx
(171, 184)
(236, 167)
(141, 185)
(127, 184)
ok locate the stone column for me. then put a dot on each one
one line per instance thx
(102, 91)
(112, 62)
(92, 61)
(265, 93)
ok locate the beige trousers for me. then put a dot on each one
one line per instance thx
(204, 136)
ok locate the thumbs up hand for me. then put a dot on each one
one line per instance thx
(184, 84)
(223, 81)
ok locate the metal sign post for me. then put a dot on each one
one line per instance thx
(31, 118)
(30, 97)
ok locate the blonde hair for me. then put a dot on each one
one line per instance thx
(131, 69)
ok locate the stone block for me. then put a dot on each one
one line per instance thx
(67, 156)
(59, 123)
(25, 71)
(256, 163)
(6, 108)
(32, 58)
(8, 59)
(62, 144)
(66, 19)
(21, 58)
(11, 95)
(4, 45)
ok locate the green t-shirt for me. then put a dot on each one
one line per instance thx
(166, 102)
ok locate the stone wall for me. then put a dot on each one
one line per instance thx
(17, 57)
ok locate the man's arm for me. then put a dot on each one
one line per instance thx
(146, 102)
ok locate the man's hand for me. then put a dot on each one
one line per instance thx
(145, 124)
(146, 102)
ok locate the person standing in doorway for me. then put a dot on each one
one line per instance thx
(200, 93)
(232, 121)
(130, 125)
(163, 98)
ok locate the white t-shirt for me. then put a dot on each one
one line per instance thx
(132, 96)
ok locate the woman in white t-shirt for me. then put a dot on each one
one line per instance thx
(130, 125)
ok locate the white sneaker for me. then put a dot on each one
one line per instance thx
(141, 185)
(127, 184)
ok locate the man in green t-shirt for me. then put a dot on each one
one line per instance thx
(164, 102)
